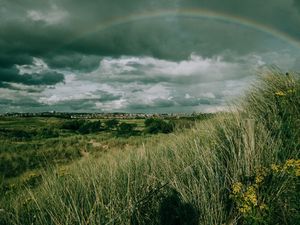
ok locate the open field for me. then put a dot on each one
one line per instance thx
(33, 143)
(241, 167)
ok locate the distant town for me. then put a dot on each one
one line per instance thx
(117, 115)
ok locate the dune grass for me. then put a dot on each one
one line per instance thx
(237, 168)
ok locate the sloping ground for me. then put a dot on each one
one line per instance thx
(237, 168)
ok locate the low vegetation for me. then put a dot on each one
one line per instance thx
(154, 126)
(33, 143)
(241, 167)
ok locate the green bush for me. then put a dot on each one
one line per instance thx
(155, 125)
(90, 127)
(111, 124)
(126, 129)
(73, 125)
(82, 126)
(12, 165)
(18, 134)
(47, 132)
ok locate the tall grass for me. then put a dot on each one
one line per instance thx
(184, 178)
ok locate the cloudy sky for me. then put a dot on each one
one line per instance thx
(140, 55)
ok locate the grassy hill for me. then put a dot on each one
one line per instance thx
(241, 167)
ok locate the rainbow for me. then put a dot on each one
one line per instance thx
(189, 13)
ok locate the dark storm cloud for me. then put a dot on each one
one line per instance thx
(5, 85)
(173, 39)
(297, 5)
(279, 14)
(29, 26)
(11, 75)
(9, 60)
(73, 61)
(23, 104)
(62, 35)
(12, 87)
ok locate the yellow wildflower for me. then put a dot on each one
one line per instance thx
(259, 178)
(263, 206)
(250, 195)
(275, 168)
(245, 209)
(297, 165)
(280, 93)
(289, 164)
(237, 187)
(260, 175)
(297, 172)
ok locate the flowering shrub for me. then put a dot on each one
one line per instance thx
(253, 201)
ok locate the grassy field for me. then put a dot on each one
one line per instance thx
(34, 143)
(241, 167)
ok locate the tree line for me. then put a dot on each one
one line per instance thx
(151, 126)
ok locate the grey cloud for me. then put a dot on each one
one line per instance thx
(146, 70)
(73, 61)
(85, 104)
(5, 85)
(195, 101)
(24, 104)
(177, 103)
(45, 78)
(106, 96)
(297, 4)
(16, 88)
(74, 105)
(157, 103)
